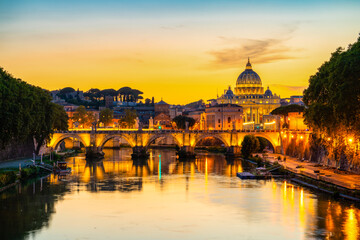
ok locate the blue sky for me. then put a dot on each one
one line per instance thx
(172, 44)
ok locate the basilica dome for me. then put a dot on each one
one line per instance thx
(249, 82)
(268, 92)
(248, 76)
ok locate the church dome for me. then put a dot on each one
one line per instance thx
(249, 82)
(268, 92)
(229, 92)
(248, 76)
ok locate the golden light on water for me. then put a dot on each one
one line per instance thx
(351, 227)
(206, 171)
(132, 195)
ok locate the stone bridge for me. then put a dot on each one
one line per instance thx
(140, 140)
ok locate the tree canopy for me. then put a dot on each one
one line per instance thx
(27, 112)
(333, 95)
(181, 121)
(249, 145)
(333, 107)
(106, 116)
(284, 110)
(129, 119)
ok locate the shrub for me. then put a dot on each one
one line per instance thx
(28, 172)
(7, 178)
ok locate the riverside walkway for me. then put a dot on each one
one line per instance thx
(312, 170)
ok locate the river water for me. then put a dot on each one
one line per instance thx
(167, 199)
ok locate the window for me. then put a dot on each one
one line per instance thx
(219, 121)
(229, 119)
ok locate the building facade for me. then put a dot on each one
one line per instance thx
(250, 95)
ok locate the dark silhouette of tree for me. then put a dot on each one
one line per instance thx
(63, 93)
(83, 117)
(27, 112)
(285, 110)
(129, 119)
(180, 121)
(249, 145)
(333, 106)
(106, 116)
(93, 94)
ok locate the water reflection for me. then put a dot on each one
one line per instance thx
(166, 198)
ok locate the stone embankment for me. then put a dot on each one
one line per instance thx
(341, 183)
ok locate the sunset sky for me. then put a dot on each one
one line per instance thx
(181, 51)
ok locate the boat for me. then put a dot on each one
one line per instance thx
(245, 175)
(62, 168)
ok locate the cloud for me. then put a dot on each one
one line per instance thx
(289, 88)
(260, 51)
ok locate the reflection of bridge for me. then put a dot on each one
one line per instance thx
(186, 140)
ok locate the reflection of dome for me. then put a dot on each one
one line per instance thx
(248, 76)
(268, 92)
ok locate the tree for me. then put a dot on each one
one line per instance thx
(129, 119)
(129, 95)
(93, 94)
(333, 101)
(60, 118)
(263, 143)
(249, 145)
(106, 116)
(136, 95)
(81, 116)
(285, 110)
(147, 101)
(27, 113)
(63, 93)
(124, 93)
(180, 121)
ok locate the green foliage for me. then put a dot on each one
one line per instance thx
(27, 112)
(181, 121)
(284, 110)
(128, 94)
(249, 145)
(333, 95)
(262, 143)
(7, 178)
(63, 92)
(26, 173)
(106, 116)
(59, 117)
(83, 117)
(147, 101)
(129, 119)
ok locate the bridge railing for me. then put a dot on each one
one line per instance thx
(119, 131)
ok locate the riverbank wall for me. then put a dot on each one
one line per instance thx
(306, 174)
(16, 150)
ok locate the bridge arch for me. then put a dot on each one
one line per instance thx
(128, 139)
(217, 136)
(61, 138)
(159, 136)
(271, 138)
